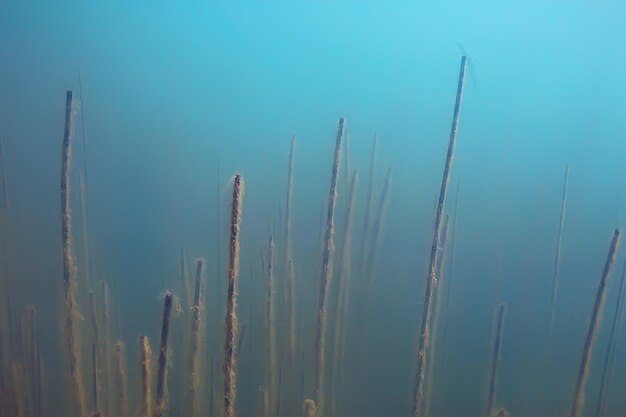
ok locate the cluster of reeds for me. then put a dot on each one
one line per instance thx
(283, 387)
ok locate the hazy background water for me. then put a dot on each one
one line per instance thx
(172, 93)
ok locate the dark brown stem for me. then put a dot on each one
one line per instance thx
(162, 366)
(194, 342)
(609, 358)
(431, 281)
(578, 401)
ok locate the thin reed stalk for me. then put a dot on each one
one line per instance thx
(145, 377)
(434, 324)
(271, 330)
(495, 363)
(82, 189)
(557, 258)
(450, 275)
(212, 389)
(368, 207)
(40, 405)
(194, 343)
(343, 276)
(230, 375)
(121, 383)
(95, 381)
(16, 377)
(290, 290)
(94, 320)
(327, 271)
(265, 402)
(106, 351)
(218, 235)
(161, 400)
(431, 281)
(377, 227)
(71, 314)
(184, 282)
(609, 358)
(578, 401)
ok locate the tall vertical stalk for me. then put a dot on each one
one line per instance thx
(327, 270)
(161, 401)
(230, 375)
(578, 401)
(431, 281)
(71, 313)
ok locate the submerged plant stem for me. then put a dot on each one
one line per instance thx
(431, 281)
(578, 401)
(327, 268)
(230, 375)
(71, 313)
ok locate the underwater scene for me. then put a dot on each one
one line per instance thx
(316, 209)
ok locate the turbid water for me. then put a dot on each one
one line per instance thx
(322, 210)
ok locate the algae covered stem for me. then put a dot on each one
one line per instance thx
(230, 375)
(162, 365)
(431, 281)
(609, 358)
(327, 268)
(578, 401)
(194, 343)
(71, 314)
(121, 383)
(145, 377)
(343, 275)
(495, 362)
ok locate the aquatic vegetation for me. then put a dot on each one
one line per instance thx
(431, 281)
(145, 377)
(495, 362)
(69, 269)
(194, 342)
(596, 316)
(121, 383)
(161, 400)
(290, 350)
(327, 270)
(230, 374)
